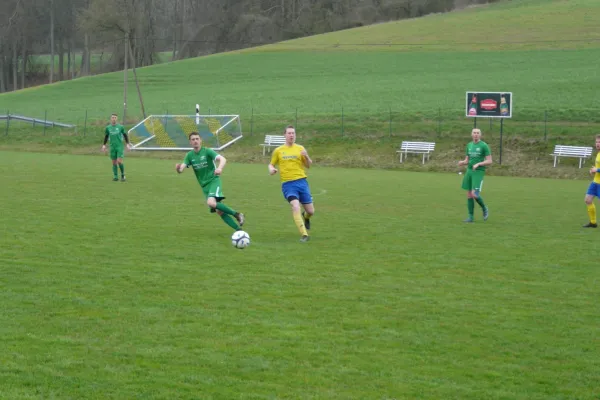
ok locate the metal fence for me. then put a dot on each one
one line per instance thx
(337, 122)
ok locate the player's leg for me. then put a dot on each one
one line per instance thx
(113, 157)
(477, 188)
(306, 200)
(228, 220)
(214, 196)
(593, 191)
(467, 185)
(291, 194)
(120, 156)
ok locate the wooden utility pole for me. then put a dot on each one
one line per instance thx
(137, 84)
(125, 71)
(51, 41)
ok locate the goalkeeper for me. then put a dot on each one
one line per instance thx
(202, 160)
(115, 133)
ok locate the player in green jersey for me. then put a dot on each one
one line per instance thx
(115, 133)
(478, 157)
(202, 160)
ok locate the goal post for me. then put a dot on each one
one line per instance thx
(170, 132)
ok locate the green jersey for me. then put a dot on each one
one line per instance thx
(115, 135)
(203, 163)
(477, 153)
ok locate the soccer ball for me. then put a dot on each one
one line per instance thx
(240, 239)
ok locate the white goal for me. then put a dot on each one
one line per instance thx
(170, 132)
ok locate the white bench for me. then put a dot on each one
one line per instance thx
(272, 141)
(571, 151)
(425, 148)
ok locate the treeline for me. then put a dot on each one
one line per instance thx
(45, 41)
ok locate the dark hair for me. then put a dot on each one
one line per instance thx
(193, 134)
(115, 114)
(598, 136)
(288, 127)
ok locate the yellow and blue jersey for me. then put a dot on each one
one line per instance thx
(289, 159)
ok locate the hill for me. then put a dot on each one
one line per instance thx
(405, 78)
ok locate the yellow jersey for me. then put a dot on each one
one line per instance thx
(291, 165)
(597, 174)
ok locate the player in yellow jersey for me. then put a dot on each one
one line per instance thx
(593, 189)
(292, 160)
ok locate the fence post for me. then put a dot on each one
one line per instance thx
(45, 119)
(545, 124)
(296, 120)
(251, 120)
(7, 121)
(501, 131)
(390, 121)
(440, 122)
(85, 124)
(342, 120)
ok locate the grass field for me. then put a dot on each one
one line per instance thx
(132, 290)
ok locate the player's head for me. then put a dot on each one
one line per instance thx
(195, 140)
(290, 134)
(113, 118)
(598, 142)
(476, 134)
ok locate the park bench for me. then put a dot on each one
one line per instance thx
(571, 151)
(272, 141)
(424, 148)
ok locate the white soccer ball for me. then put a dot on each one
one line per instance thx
(240, 239)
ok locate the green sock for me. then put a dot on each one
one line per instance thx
(230, 221)
(471, 206)
(115, 171)
(122, 168)
(225, 209)
(479, 201)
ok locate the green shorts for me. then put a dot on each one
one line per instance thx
(473, 180)
(213, 189)
(115, 152)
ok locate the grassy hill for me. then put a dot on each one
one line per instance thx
(386, 81)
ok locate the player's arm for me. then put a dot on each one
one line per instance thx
(273, 163)
(126, 138)
(306, 160)
(487, 161)
(222, 161)
(105, 139)
(181, 167)
(464, 162)
(488, 158)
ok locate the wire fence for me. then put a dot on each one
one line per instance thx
(336, 122)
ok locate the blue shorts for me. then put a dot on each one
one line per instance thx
(298, 189)
(594, 189)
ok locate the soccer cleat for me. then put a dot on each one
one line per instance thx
(590, 225)
(123, 179)
(486, 214)
(306, 221)
(468, 220)
(240, 218)
(304, 239)
(115, 179)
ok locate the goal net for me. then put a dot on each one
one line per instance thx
(170, 132)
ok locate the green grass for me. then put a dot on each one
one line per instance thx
(132, 290)
(506, 25)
